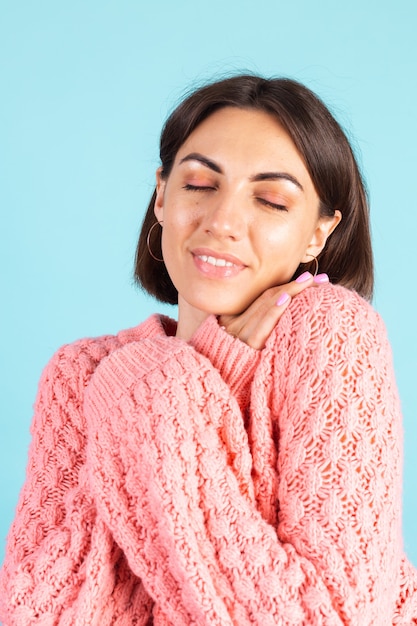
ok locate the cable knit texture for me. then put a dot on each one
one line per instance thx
(207, 483)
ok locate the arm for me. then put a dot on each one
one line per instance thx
(340, 451)
(174, 479)
(62, 566)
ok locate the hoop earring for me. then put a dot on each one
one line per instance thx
(316, 271)
(148, 245)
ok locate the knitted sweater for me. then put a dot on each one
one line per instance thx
(207, 483)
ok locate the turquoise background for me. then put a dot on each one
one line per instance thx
(85, 87)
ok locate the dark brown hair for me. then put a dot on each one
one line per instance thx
(328, 156)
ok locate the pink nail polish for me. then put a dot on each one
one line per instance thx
(284, 297)
(303, 277)
(321, 278)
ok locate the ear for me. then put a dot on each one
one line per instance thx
(324, 228)
(160, 192)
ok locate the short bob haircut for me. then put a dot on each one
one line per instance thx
(325, 150)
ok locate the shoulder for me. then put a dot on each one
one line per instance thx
(332, 342)
(329, 315)
(73, 364)
(332, 300)
(332, 307)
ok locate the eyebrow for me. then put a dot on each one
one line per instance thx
(196, 156)
(277, 176)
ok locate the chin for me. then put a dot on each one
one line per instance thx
(219, 301)
(222, 308)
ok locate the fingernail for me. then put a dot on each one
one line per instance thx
(321, 278)
(303, 277)
(284, 297)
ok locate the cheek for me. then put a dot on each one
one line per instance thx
(283, 248)
(275, 239)
(292, 234)
(181, 207)
(177, 228)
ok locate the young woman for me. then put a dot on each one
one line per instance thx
(242, 465)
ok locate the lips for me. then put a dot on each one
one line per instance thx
(218, 259)
(215, 264)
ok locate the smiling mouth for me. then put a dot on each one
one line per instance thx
(216, 262)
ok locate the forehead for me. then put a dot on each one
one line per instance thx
(245, 139)
(237, 123)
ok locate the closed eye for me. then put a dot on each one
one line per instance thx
(273, 205)
(189, 187)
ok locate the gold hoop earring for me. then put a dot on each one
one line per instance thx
(316, 263)
(148, 240)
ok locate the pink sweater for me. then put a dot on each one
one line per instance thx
(211, 484)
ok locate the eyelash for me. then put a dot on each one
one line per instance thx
(189, 187)
(277, 207)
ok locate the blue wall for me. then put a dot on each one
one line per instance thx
(85, 88)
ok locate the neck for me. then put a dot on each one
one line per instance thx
(189, 319)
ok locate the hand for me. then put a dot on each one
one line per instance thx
(256, 323)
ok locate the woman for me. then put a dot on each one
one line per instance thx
(243, 465)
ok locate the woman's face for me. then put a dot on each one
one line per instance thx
(239, 212)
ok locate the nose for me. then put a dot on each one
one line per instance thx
(226, 217)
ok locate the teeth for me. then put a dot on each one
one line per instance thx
(216, 262)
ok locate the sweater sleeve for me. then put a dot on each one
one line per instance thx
(62, 565)
(171, 469)
(339, 427)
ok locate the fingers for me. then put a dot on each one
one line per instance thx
(256, 323)
(320, 279)
(306, 280)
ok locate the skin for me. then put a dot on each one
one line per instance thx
(239, 213)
